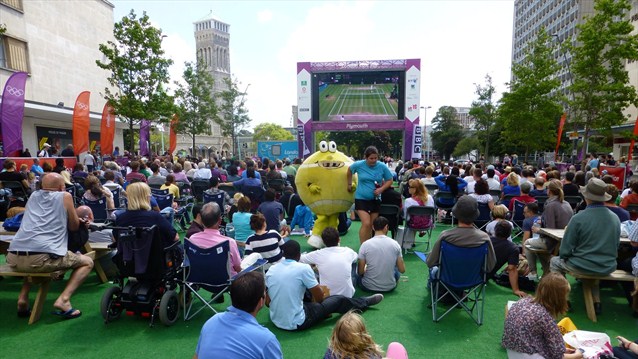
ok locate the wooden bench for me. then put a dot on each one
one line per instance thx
(43, 280)
(588, 282)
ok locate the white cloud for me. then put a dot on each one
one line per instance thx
(264, 16)
(179, 50)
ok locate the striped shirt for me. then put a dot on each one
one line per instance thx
(266, 244)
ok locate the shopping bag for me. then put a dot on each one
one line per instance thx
(594, 344)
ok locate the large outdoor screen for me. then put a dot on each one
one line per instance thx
(358, 96)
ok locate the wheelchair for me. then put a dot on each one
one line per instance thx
(148, 277)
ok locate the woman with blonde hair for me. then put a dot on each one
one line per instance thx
(530, 326)
(499, 213)
(350, 339)
(511, 189)
(139, 213)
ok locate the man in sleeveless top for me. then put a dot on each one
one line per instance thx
(41, 243)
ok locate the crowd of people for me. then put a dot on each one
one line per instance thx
(300, 297)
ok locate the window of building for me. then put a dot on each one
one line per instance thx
(14, 54)
(16, 4)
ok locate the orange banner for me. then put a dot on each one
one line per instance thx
(107, 129)
(81, 123)
(633, 142)
(172, 142)
(560, 133)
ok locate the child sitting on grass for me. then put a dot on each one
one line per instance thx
(304, 218)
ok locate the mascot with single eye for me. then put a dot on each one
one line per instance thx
(320, 182)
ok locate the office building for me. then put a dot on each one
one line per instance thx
(57, 44)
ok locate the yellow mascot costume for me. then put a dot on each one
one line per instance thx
(321, 183)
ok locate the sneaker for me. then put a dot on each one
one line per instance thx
(373, 299)
(533, 277)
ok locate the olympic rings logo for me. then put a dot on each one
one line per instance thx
(15, 91)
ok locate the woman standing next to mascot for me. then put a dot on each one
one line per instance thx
(374, 178)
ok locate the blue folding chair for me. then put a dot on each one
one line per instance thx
(158, 191)
(518, 217)
(462, 275)
(163, 200)
(445, 200)
(485, 216)
(198, 187)
(208, 269)
(99, 209)
(217, 198)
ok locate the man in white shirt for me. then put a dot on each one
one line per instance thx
(380, 260)
(202, 172)
(334, 264)
(471, 181)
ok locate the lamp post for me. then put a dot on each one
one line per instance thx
(425, 134)
(571, 83)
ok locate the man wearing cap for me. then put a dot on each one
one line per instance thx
(590, 243)
(465, 235)
(45, 150)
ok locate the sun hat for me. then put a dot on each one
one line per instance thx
(595, 190)
(466, 209)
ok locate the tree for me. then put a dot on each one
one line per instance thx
(195, 101)
(446, 131)
(466, 146)
(530, 111)
(483, 111)
(601, 88)
(271, 132)
(233, 115)
(138, 71)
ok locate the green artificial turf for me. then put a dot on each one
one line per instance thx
(403, 316)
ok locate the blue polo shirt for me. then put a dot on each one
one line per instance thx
(236, 334)
(367, 176)
(287, 282)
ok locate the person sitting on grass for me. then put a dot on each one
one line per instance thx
(304, 218)
(506, 252)
(350, 339)
(288, 280)
(499, 214)
(334, 264)
(236, 332)
(380, 260)
(530, 327)
(266, 243)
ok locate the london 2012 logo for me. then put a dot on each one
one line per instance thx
(14, 91)
(82, 105)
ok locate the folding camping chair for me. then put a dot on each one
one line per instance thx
(98, 207)
(208, 269)
(462, 274)
(198, 187)
(485, 216)
(393, 214)
(518, 217)
(415, 212)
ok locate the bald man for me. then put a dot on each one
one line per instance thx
(41, 243)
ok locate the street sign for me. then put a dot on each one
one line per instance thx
(573, 135)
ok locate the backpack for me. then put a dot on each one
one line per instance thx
(420, 222)
(13, 224)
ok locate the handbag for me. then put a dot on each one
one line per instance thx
(13, 224)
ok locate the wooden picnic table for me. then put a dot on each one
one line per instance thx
(558, 234)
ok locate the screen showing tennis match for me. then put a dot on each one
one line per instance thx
(356, 96)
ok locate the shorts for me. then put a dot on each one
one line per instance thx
(42, 263)
(370, 206)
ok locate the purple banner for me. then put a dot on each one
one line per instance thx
(145, 134)
(12, 113)
(358, 125)
(408, 139)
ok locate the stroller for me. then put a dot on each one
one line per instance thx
(148, 276)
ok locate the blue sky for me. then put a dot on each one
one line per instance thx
(458, 42)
